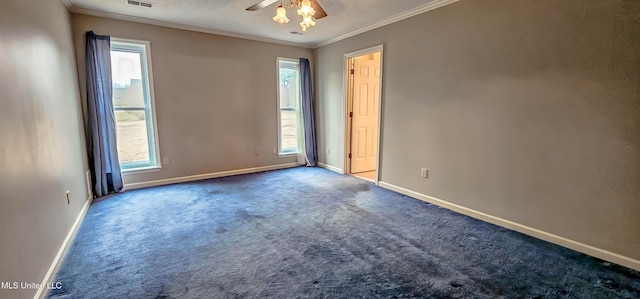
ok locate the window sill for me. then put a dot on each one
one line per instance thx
(287, 155)
(141, 170)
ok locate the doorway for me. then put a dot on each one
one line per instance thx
(363, 73)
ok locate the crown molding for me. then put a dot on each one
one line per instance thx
(399, 17)
(68, 4)
(95, 13)
(395, 18)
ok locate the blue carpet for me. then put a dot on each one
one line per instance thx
(308, 232)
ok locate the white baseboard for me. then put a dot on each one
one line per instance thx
(205, 176)
(332, 168)
(42, 292)
(562, 241)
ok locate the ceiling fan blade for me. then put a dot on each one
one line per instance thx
(320, 13)
(262, 4)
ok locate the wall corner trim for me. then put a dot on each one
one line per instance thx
(332, 168)
(205, 176)
(55, 264)
(536, 233)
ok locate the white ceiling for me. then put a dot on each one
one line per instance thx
(229, 17)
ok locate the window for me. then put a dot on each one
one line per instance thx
(289, 133)
(133, 105)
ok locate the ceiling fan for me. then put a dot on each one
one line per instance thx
(307, 9)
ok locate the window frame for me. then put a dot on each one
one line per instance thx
(149, 101)
(298, 109)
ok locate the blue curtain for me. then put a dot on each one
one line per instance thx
(307, 114)
(101, 127)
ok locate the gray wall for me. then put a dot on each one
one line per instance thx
(41, 139)
(215, 96)
(526, 110)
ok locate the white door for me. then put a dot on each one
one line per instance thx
(364, 122)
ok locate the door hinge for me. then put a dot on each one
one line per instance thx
(352, 71)
(351, 114)
(349, 155)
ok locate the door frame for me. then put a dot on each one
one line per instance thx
(348, 107)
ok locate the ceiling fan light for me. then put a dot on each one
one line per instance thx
(305, 9)
(306, 23)
(281, 16)
(309, 22)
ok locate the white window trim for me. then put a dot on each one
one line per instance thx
(141, 170)
(152, 110)
(300, 137)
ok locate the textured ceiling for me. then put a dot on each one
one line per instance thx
(230, 17)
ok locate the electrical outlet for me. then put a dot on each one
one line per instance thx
(68, 197)
(257, 152)
(424, 173)
(166, 161)
(275, 150)
(328, 150)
